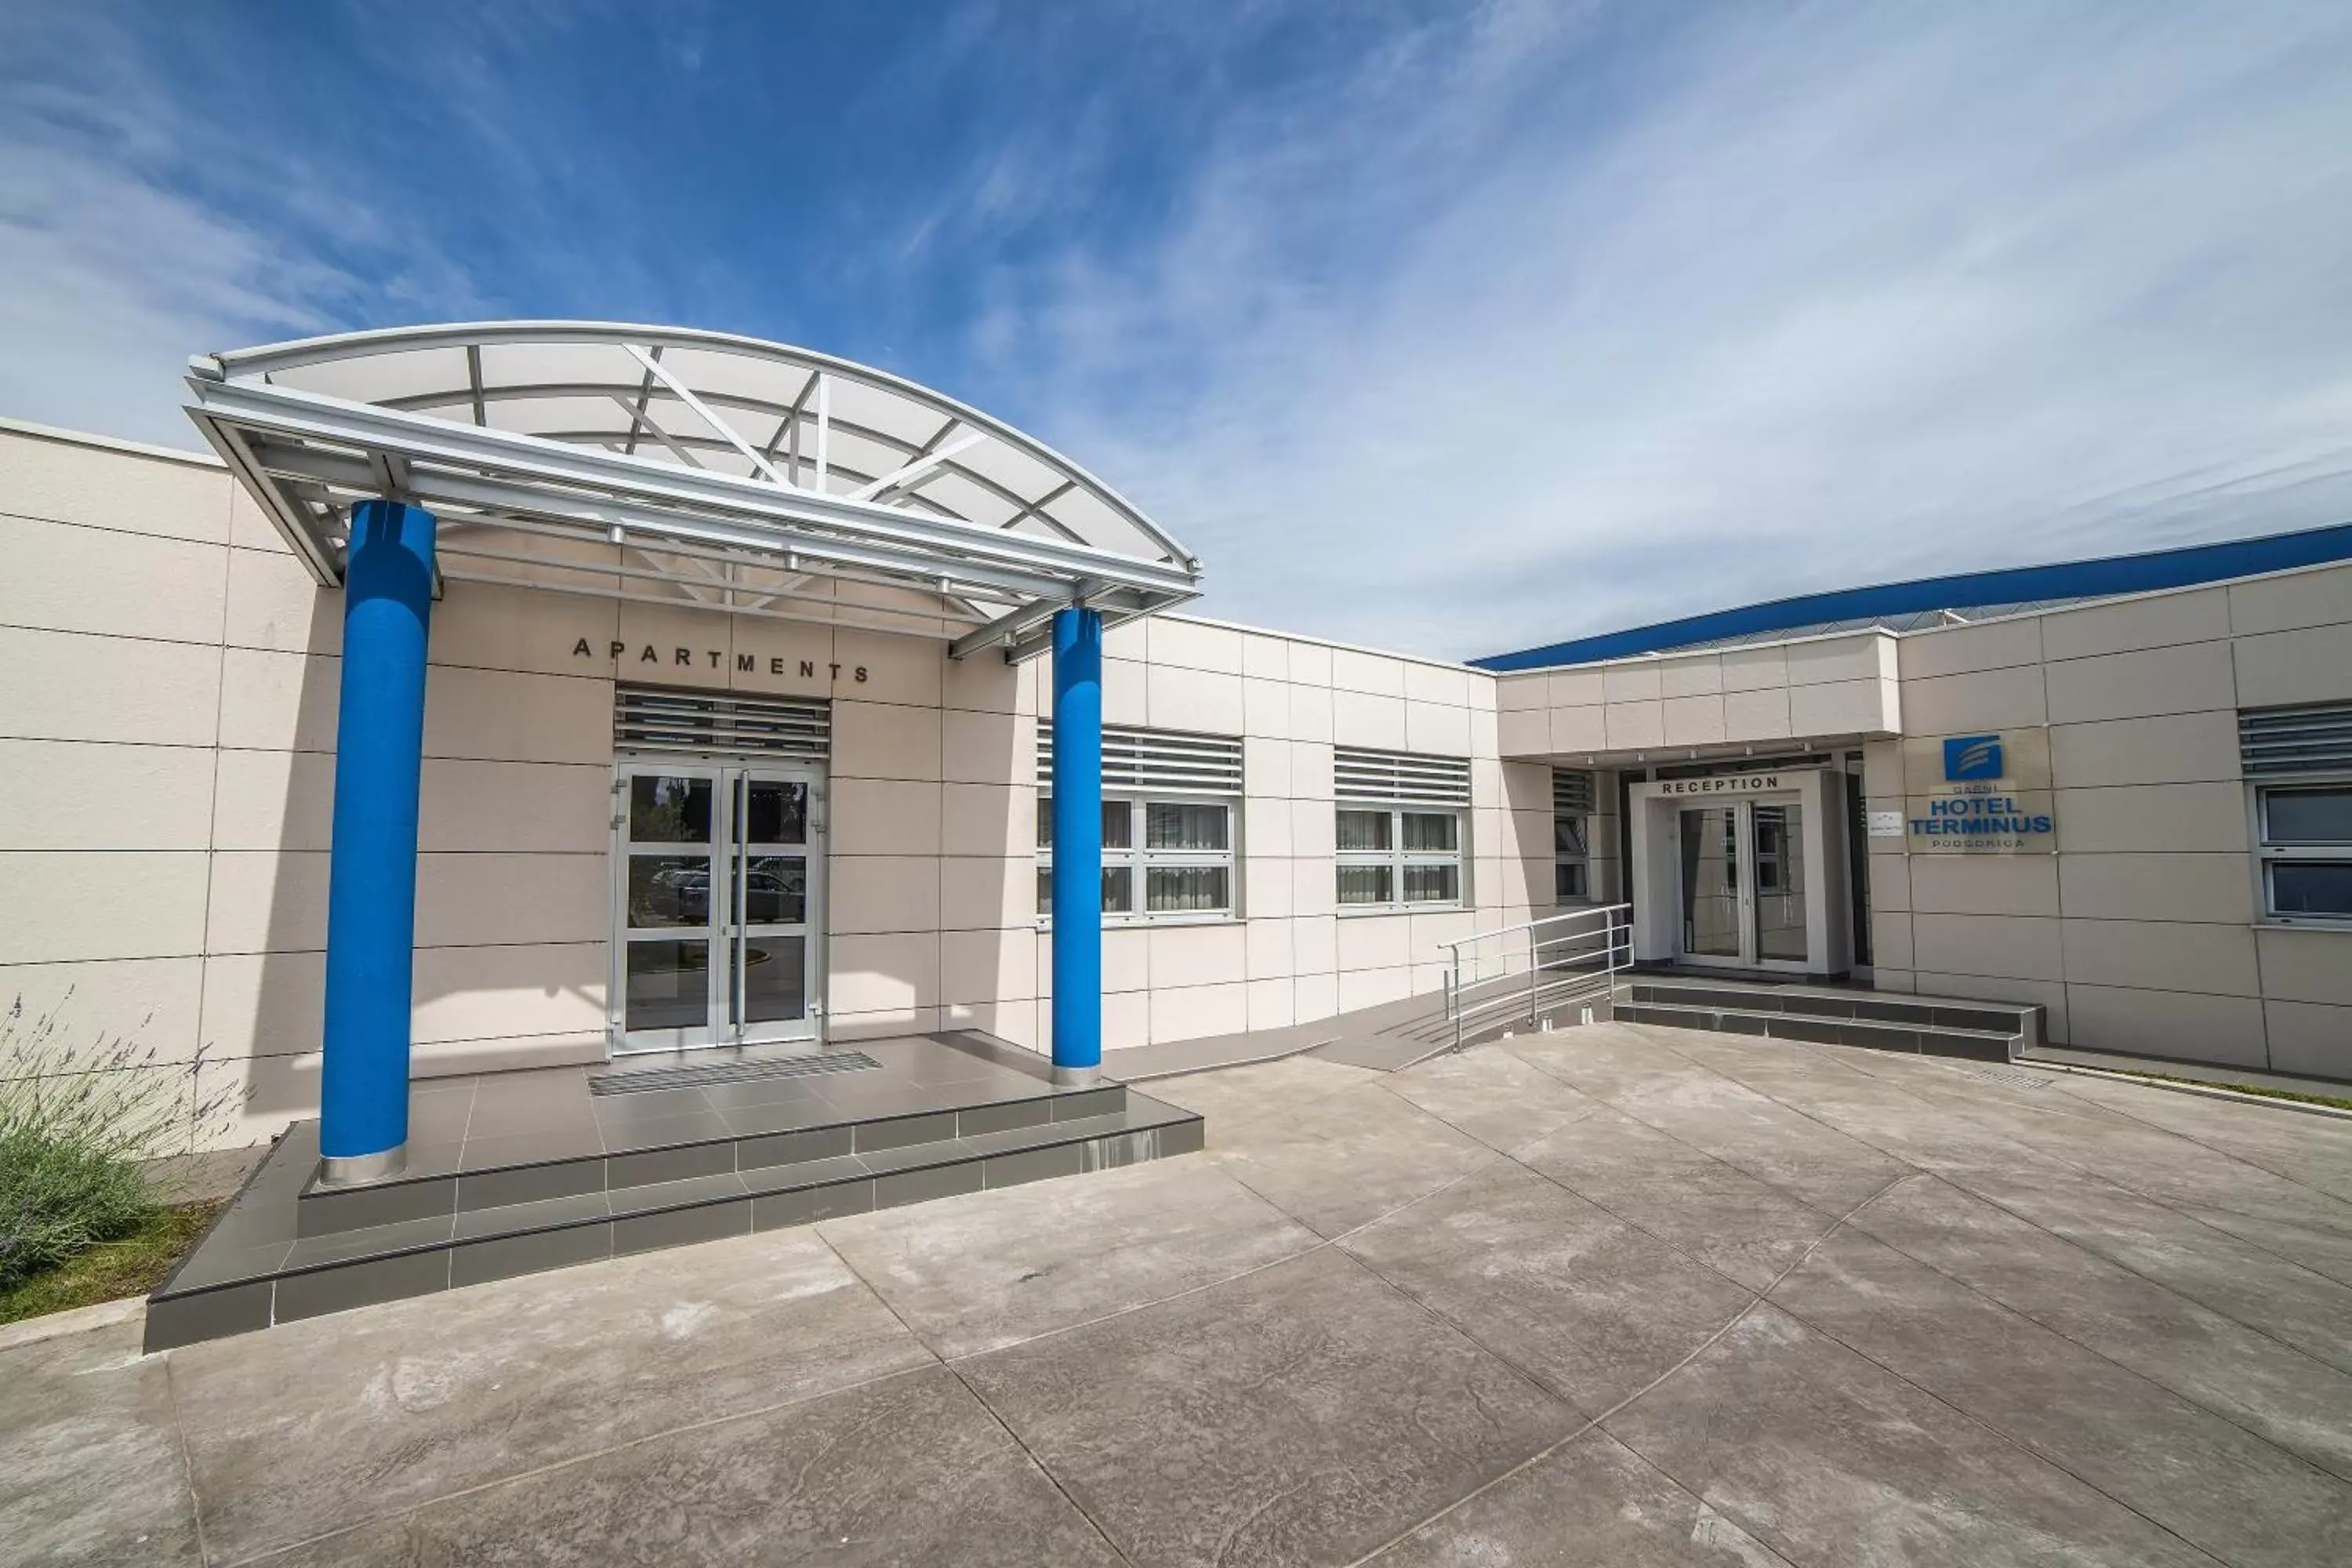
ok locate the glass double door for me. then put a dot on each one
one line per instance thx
(1743, 884)
(719, 869)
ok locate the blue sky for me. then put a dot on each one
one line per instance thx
(1449, 327)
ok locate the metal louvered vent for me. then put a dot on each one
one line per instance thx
(648, 719)
(1157, 760)
(1400, 776)
(1571, 793)
(2015, 1078)
(2313, 739)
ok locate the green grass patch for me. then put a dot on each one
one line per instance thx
(81, 1121)
(2336, 1102)
(130, 1266)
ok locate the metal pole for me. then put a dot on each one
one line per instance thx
(1532, 973)
(372, 863)
(1077, 841)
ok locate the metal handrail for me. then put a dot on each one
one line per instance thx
(1601, 934)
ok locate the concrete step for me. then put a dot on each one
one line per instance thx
(2017, 1018)
(1874, 1034)
(253, 1269)
(650, 1152)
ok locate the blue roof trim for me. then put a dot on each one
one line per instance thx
(2103, 578)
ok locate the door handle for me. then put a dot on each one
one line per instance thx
(743, 884)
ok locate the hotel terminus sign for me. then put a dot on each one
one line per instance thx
(1978, 794)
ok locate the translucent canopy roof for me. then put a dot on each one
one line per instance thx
(675, 465)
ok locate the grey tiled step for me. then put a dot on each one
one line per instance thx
(1916, 1012)
(237, 1289)
(623, 1154)
(1978, 1045)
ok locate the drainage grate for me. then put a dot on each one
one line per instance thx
(701, 1075)
(2014, 1077)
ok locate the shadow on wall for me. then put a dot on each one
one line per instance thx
(512, 882)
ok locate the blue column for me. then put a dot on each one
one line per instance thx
(1078, 846)
(371, 876)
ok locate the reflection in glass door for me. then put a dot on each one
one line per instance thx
(1711, 883)
(670, 847)
(717, 904)
(1778, 833)
(1743, 884)
(768, 932)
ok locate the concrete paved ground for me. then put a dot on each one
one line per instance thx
(1621, 1295)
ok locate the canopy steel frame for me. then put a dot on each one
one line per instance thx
(688, 505)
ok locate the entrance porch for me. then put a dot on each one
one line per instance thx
(690, 478)
(513, 1173)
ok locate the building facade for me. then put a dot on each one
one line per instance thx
(654, 825)
(170, 725)
(2134, 809)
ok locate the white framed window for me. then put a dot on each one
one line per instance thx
(2298, 767)
(1401, 832)
(1170, 821)
(2303, 841)
(1398, 856)
(1571, 837)
(1163, 858)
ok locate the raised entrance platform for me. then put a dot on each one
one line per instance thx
(512, 1172)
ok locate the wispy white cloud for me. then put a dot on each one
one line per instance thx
(135, 232)
(112, 281)
(1792, 299)
(1448, 327)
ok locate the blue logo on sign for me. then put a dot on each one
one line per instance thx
(1972, 757)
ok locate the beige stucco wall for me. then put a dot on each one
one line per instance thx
(1842, 685)
(167, 743)
(2140, 933)
(1294, 958)
(166, 735)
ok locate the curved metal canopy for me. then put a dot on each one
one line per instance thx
(688, 468)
